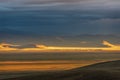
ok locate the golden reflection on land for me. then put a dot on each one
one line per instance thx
(42, 65)
(43, 48)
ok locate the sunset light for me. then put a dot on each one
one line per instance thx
(43, 48)
(59, 39)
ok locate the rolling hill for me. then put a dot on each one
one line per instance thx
(100, 71)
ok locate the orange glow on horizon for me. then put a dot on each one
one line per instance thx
(42, 48)
(7, 47)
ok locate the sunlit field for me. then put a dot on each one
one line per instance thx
(51, 61)
(42, 65)
(59, 39)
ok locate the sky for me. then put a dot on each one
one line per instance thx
(58, 26)
(35, 18)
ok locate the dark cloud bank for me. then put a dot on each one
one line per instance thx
(33, 19)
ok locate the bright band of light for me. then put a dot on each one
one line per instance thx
(39, 48)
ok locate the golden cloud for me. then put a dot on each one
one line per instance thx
(43, 48)
(7, 47)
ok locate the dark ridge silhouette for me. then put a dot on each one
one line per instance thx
(100, 71)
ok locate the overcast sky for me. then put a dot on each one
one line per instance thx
(59, 4)
(60, 17)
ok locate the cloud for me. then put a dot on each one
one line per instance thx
(61, 22)
(7, 47)
(43, 48)
(62, 4)
(5, 9)
(108, 44)
(107, 20)
(48, 17)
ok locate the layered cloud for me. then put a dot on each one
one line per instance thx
(60, 22)
(58, 17)
(42, 48)
(59, 4)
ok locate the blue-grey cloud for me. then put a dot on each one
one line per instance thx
(60, 4)
(60, 17)
(61, 22)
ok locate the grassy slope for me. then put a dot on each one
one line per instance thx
(101, 71)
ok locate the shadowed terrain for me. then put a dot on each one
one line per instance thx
(100, 71)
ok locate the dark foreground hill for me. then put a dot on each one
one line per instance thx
(101, 71)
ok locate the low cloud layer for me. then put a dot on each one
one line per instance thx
(44, 48)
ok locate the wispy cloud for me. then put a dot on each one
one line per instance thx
(61, 4)
(7, 47)
(108, 44)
